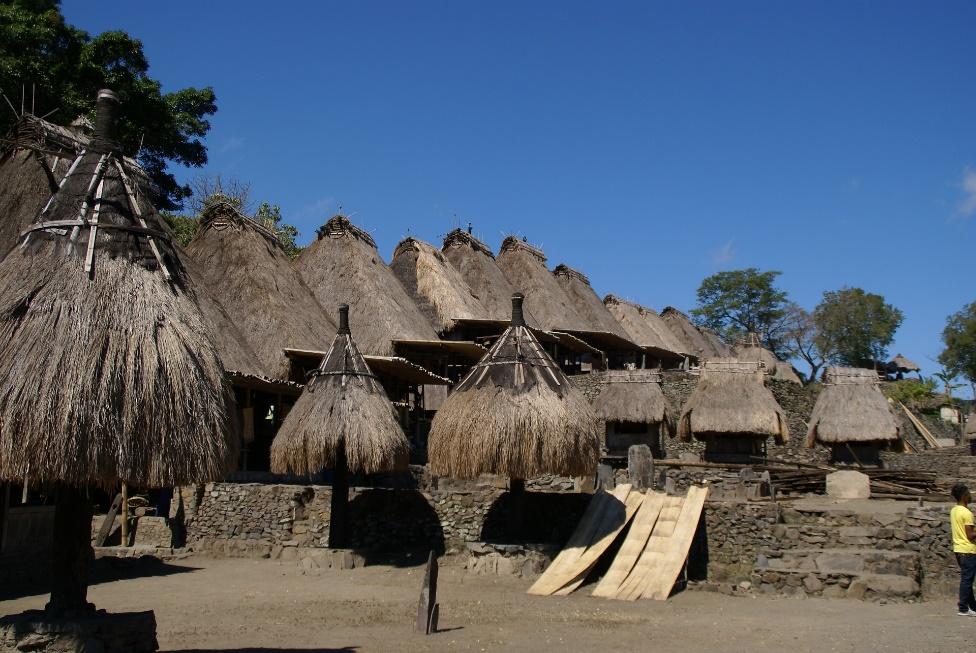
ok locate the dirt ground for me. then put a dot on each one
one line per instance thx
(203, 604)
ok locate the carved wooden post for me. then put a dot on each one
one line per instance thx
(428, 611)
(640, 466)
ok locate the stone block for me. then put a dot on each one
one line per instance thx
(848, 484)
(838, 562)
(812, 584)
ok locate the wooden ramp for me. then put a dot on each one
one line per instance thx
(605, 516)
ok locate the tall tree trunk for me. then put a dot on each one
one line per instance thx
(339, 520)
(71, 551)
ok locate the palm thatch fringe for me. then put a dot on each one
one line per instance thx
(439, 290)
(732, 399)
(515, 414)
(343, 406)
(525, 268)
(343, 266)
(586, 302)
(644, 326)
(634, 396)
(250, 275)
(477, 265)
(851, 408)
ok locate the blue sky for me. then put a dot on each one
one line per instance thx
(646, 144)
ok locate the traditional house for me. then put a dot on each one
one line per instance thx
(646, 328)
(733, 412)
(751, 349)
(701, 343)
(852, 417)
(634, 410)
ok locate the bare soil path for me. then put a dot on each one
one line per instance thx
(203, 604)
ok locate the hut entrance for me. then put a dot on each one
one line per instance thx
(862, 454)
(621, 436)
(730, 448)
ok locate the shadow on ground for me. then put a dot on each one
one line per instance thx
(344, 649)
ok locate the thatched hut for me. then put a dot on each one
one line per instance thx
(751, 349)
(525, 268)
(514, 414)
(852, 417)
(701, 343)
(107, 371)
(343, 266)
(344, 422)
(634, 410)
(733, 412)
(247, 269)
(438, 289)
(646, 328)
(585, 302)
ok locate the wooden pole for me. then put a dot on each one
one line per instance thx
(125, 514)
(4, 509)
(516, 515)
(339, 519)
(71, 551)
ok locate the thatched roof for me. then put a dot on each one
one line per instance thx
(342, 265)
(645, 327)
(732, 399)
(343, 404)
(107, 370)
(697, 342)
(586, 303)
(901, 364)
(525, 268)
(439, 290)
(851, 408)
(514, 414)
(249, 273)
(633, 396)
(751, 350)
(476, 263)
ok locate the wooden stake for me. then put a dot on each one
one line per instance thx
(125, 514)
(428, 610)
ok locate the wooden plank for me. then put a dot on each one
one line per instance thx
(658, 585)
(657, 544)
(560, 571)
(109, 521)
(610, 528)
(632, 547)
(921, 428)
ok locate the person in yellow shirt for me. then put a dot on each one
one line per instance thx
(964, 546)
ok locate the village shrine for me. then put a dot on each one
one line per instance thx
(455, 401)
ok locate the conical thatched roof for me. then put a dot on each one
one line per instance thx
(901, 364)
(107, 371)
(343, 403)
(342, 265)
(439, 290)
(514, 414)
(634, 396)
(732, 399)
(525, 268)
(751, 350)
(476, 263)
(851, 408)
(585, 302)
(645, 327)
(249, 273)
(698, 342)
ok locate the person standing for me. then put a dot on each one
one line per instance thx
(964, 546)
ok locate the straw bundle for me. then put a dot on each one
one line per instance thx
(439, 290)
(343, 406)
(732, 399)
(525, 268)
(634, 396)
(514, 414)
(851, 408)
(342, 265)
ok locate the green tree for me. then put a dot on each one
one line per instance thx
(58, 67)
(184, 226)
(959, 336)
(855, 327)
(269, 215)
(737, 302)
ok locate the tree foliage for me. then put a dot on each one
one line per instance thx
(55, 66)
(959, 336)
(269, 215)
(855, 327)
(737, 302)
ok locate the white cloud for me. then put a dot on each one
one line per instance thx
(231, 144)
(724, 254)
(967, 206)
(324, 207)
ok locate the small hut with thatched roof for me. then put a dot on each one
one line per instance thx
(733, 412)
(343, 265)
(248, 271)
(751, 349)
(634, 410)
(107, 371)
(438, 289)
(515, 414)
(648, 330)
(852, 417)
(701, 343)
(344, 422)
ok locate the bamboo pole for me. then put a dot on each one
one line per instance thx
(125, 514)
